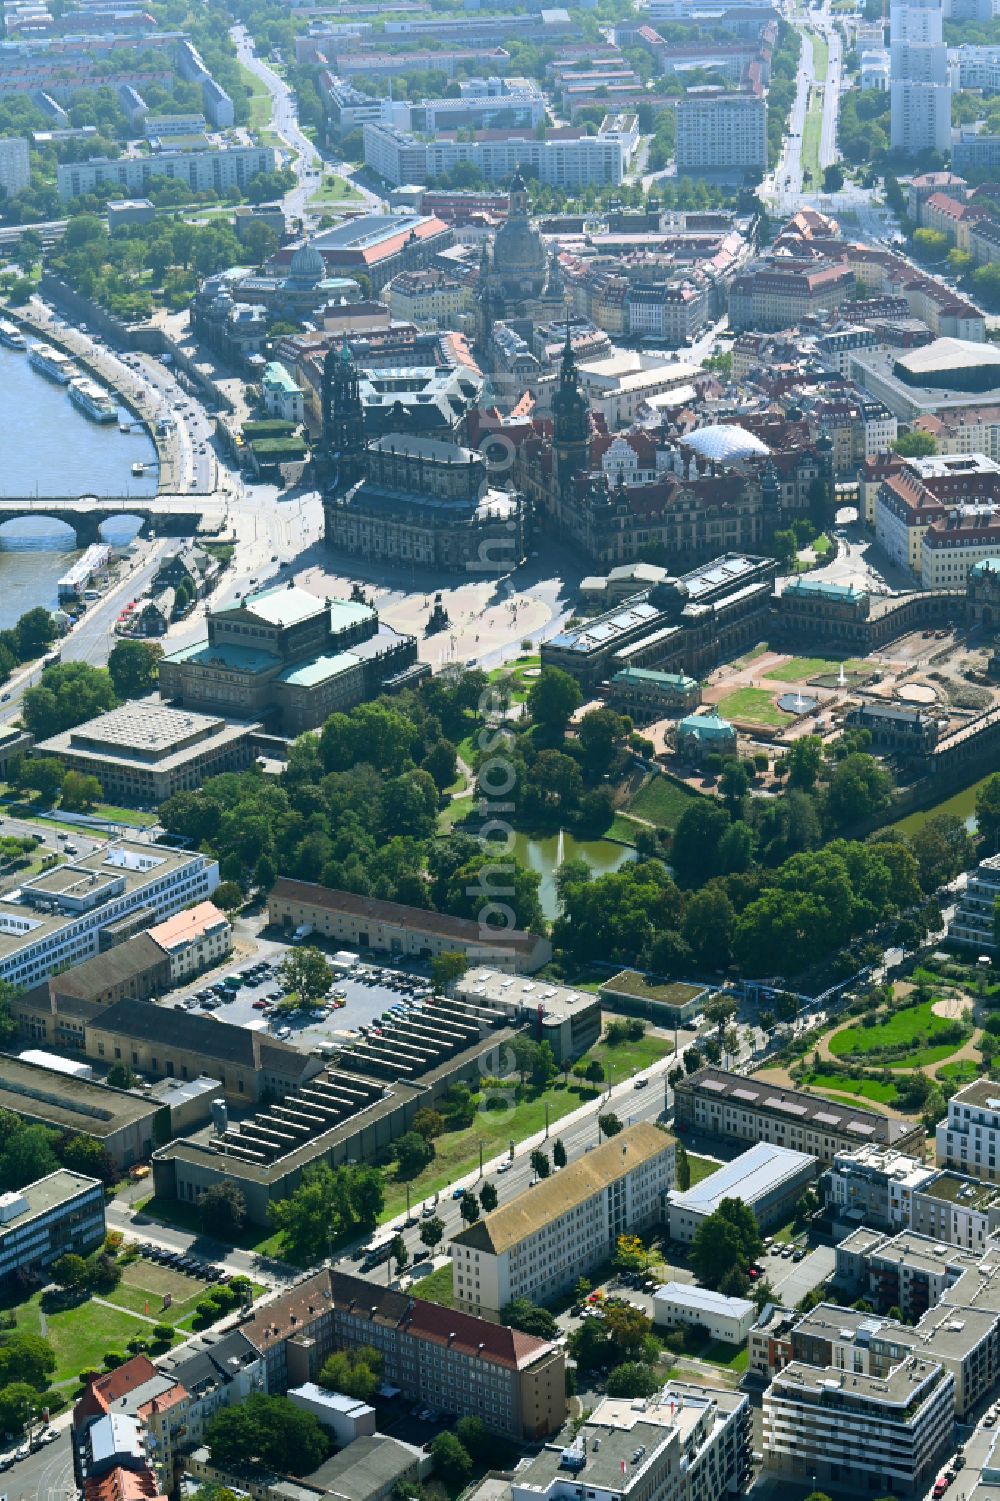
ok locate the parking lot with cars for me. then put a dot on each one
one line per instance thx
(182, 1261)
(356, 1002)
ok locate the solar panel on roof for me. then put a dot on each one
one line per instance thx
(827, 1119)
(788, 1106)
(715, 1084)
(744, 1094)
(861, 1128)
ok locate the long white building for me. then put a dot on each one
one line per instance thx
(920, 80)
(566, 159)
(60, 917)
(220, 168)
(542, 1242)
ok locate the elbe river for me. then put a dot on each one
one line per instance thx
(48, 447)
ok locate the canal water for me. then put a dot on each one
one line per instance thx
(542, 855)
(961, 804)
(48, 447)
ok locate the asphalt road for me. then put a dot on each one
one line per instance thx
(45, 1476)
(306, 161)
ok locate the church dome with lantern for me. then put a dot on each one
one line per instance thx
(520, 264)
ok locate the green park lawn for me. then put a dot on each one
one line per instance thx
(144, 1282)
(629, 1058)
(821, 56)
(661, 802)
(962, 1072)
(804, 669)
(80, 1335)
(900, 1030)
(523, 671)
(753, 706)
(334, 191)
(457, 1152)
(864, 1089)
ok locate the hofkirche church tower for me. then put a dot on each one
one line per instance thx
(342, 454)
(570, 424)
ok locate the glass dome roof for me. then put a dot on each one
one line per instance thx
(725, 443)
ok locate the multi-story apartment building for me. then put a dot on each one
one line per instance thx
(967, 1138)
(221, 168)
(913, 498)
(566, 158)
(685, 1444)
(964, 1341)
(845, 1431)
(15, 173)
(454, 1362)
(875, 1186)
(61, 1213)
(971, 926)
(920, 86)
(722, 132)
(429, 298)
(954, 543)
(713, 1102)
(955, 1208)
(543, 1241)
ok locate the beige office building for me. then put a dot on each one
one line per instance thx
(542, 1242)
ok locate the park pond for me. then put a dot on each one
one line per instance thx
(546, 854)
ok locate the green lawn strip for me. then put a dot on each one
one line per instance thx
(812, 133)
(821, 545)
(436, 1287)
(897, 1031)
(821, 56)
(80, 1336)
(752, 656)
(717, 1352)
(629, 1058)
(112, 814)
(661, 801)
(865, 1089)
(623, 828)
(754, 705)
(962, 1072)
(334, 191)
(701, 1167)
(457, 1152)
(260, 99)
(454, 812)
(802, 669)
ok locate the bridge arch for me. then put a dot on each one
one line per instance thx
(121, 528)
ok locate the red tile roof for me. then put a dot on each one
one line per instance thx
(104, 1391)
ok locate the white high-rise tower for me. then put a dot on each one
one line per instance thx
(920, 83)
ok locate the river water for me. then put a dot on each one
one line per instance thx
(48, 447)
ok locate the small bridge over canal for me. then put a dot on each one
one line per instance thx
(161, 515)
